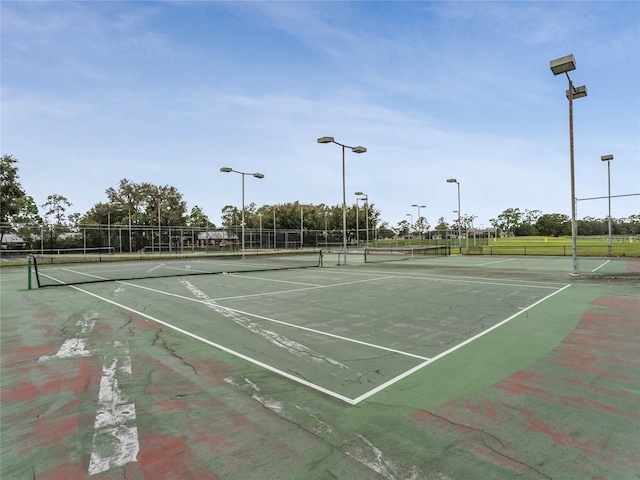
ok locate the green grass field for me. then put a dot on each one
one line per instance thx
(591, 246)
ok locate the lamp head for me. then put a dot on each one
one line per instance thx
(606, 158)
(359, 193)
(563, 65)
(452, 180)
(358, 150)
(258, 175)
(578, 92)
(325, 140)
(226, 169)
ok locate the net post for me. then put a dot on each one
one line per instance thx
(29, 272)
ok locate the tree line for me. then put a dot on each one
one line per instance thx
(146, 204)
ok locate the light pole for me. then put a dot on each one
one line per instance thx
(301, 227)
(608, 158)
(257, 175)
(558, 67)
(274, 228)
(453, 180)
(419, 217)
(366, 210)
(357, 223)
(109, 223)
(358, 149)
(410, 224)
(160, 201)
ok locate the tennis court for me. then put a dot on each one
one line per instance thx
(445, 367)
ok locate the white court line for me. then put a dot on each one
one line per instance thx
(224, 349)
(497, 261)
(451, 350)
(598, 268)
(448, 278)
(297, 379)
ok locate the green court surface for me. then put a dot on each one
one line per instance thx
(438, 368)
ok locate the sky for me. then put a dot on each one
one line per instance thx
(169, 92)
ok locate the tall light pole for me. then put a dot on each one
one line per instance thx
(453, 180)
(257, 175)
(366, 210)
(410, 223)
(358, 149)
(419, 217)
(274, 228)
(109, 223)
(608, 158)
(301, 227)
(357, 222)
(558, 67)
(159, 201)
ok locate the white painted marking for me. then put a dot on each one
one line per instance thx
(494, 262)
(72, 347)
(599, 267)
(115, 438)
(88, 322)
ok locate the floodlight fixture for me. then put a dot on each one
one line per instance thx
(258, 175)
(578, 92)
(604, 158)
(226, 169)
(563, 64)
(325, 140)
(452, 180)
(358, 150)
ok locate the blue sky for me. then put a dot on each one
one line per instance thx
(169, 92)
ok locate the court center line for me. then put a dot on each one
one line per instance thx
(457, 279)
(223, 348)
(281, 322)
(452, 349)
(497, 261)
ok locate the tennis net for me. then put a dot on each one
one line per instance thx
(72, 270)
(391, 254)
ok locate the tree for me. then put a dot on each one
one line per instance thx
(56, 206)
(403, 229)
(527, 223)
(422, 225)
(554, 224)
(508, 220)
(11, 192)
(197, 218)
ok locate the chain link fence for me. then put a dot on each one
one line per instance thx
(595, 255)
